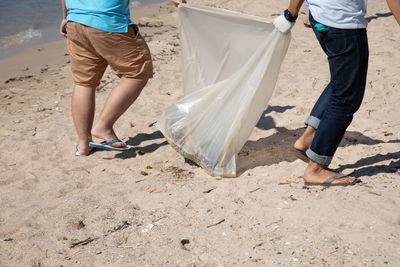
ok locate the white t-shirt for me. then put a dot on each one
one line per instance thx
(342, 14)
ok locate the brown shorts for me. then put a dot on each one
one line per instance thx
(91, 50)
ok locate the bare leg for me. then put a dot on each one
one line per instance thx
(82, 107)
(304, 141)
(119, 100)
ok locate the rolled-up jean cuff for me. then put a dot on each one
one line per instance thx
(324, 160)
(312, 121)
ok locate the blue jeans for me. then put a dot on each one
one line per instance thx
(347, 52)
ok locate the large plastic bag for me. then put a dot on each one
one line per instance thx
(230, 64)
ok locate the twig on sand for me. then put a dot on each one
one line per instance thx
(254, 190)
(100, 87)
(83, 242)
(159, 219)
(209, 190)
(373, 193)
(215, 224)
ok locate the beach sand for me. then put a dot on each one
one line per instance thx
(148, 207)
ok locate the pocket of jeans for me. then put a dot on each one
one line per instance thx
(335, 41)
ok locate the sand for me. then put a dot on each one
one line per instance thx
(148, 207)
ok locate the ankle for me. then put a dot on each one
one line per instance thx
(305, 140)
(314, 168)
(98, 130)
(83, 146)
(106, 134)
(301, 145)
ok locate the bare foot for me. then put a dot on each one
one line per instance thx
(304, 141)
(317, 173)
(106, 135)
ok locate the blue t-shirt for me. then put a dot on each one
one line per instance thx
(105, 15)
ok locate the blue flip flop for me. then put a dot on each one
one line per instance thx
(108, 145)
(77, 154)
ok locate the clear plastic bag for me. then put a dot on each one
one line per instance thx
(230, 64)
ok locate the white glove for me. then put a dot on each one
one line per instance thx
(282, 24)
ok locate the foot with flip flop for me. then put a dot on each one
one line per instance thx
(109, 145)
(115, 144)
(315, 173)
(104, 145)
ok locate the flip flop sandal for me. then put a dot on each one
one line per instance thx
(328, 182)
(108, 145)
(301, 155)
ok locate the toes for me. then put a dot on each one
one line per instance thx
(345, 180)
(119, 144)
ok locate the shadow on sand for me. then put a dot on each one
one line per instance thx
(277, 148)
(364, 167)
(141, 150)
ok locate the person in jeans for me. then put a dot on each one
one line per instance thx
(100, 33)
(340, 27)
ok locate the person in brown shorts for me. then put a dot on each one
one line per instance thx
(94, 42)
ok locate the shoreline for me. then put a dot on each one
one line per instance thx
(33, 59)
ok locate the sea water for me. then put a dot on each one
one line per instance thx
(29, 22)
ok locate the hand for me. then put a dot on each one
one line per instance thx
(63, 28)
(178, 2)
(282, 24)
